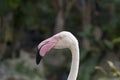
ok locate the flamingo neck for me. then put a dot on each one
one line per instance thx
(75, 63)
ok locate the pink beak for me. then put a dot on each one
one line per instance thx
(44, 47)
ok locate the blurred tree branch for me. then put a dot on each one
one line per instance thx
(64, 8)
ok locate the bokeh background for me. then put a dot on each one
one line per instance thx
(25, 23)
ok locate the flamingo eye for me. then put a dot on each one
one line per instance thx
(62, 36)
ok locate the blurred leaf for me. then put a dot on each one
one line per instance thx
(108, 44)
(114, 70)
(30, 14)
(108, 29)
(4, 7)
(83, 53)
(116, 40)
(21, 69)
(87, 68)
(28, 9)
(105, 78)
(14, 3)
(101, 69)
(29, 21)
(44, 6)
(87, 33)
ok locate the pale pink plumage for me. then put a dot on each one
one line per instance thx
(62, 40)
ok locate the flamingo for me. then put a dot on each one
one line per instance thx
(61, 40)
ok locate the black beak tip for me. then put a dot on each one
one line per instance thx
(38, 57)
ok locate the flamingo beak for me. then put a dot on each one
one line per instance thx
(38, 57)
(45, 47)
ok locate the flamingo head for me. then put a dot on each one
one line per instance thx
(61, 40)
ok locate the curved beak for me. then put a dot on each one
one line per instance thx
(44, 47)
(38, 57)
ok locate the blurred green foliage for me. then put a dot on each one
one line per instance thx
(115, 72)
